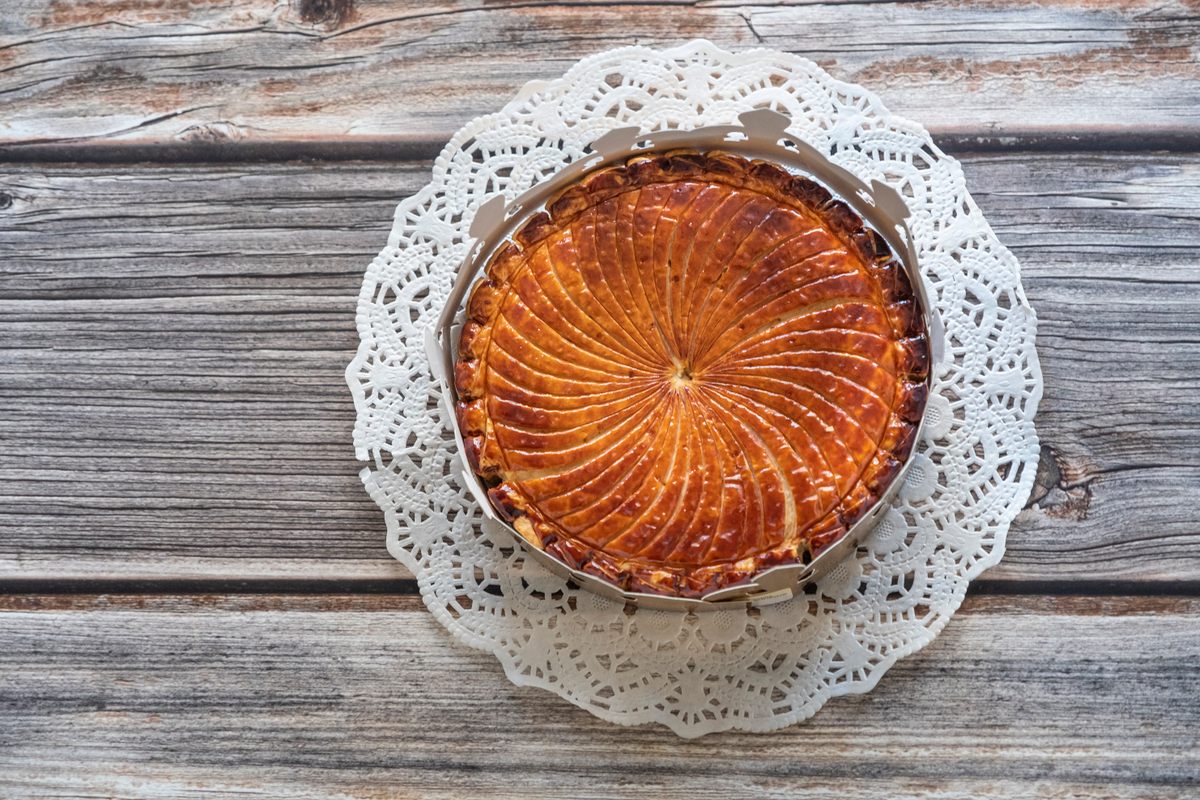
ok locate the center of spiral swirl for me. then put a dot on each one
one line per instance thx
(681, 376)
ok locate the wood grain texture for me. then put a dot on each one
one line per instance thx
(204, 75)
(172, 341)
(179, 697)
(173, 417)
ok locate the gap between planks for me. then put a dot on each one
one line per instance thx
(404, 148)
(16, 592)
(244, 599)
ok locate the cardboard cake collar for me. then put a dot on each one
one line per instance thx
(761, 134)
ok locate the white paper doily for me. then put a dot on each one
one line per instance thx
(753, 670)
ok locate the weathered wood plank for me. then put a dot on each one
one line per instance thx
(138, 71)
(172, 342)
(178, 697)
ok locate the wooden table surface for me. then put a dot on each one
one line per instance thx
(195, 598)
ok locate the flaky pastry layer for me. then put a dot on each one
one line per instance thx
(690, 368)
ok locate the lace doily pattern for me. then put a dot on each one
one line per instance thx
(755, 669)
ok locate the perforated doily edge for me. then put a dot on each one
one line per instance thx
(1022, 486)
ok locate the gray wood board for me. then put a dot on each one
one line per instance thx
(362, 697)
(172, 341)
(203, 76)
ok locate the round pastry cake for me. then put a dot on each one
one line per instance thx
(691, 367)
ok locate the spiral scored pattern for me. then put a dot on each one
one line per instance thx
(692, 368)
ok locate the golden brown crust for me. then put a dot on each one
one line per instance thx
(690, 368)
